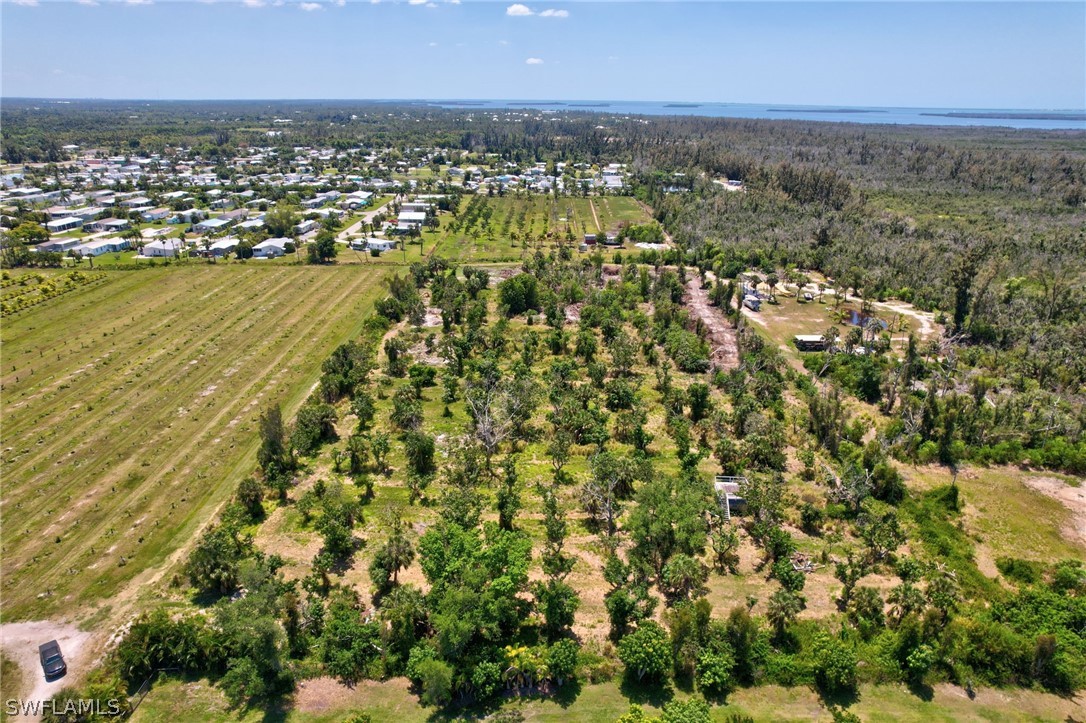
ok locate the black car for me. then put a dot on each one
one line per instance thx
(52, 662)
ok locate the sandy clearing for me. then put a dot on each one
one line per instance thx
(722, 337)
(20, 641)
(928, 327)
(1073, 498)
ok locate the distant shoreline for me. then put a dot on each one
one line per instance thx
(1011, 116)
(823, 110)
(1040, 119)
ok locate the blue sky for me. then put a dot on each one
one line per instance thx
(970, 55)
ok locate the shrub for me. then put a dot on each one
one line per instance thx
(691, 710)
(435, 682)
(562, 660)
(835, 665)
(1023, 571)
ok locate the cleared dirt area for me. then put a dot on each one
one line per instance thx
(129, 415)
(1073, 498)
(722, 338)
(20, 642)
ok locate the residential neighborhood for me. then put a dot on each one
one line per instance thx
(180, 204)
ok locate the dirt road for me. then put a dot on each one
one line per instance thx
(722, 337)
(20, 642)
(595, 218)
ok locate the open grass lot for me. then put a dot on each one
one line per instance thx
(198, 701)
(505, 225)
(129, 409)
(1004, 515)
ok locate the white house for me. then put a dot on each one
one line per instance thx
(380, 244)
(100, 246)
(223, 246)
(358, 199)
(61, 225)
(212, 224)
(410, 219)
(188, 216)
(114, 225)
(305, 227)
(163, 248)
(270, 249)
(155, 214)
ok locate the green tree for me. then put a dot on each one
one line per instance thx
(419, 450)
(213, 564)
(646, 652)
(406, 409)
(394, 555)
(324, 248)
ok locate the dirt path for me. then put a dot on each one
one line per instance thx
(926, 319)
(722, 337)
(595, 218)
(20, 641)
(1073, 498)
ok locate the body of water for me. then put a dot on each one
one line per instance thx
(1005, 118)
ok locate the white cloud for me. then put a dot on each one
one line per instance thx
(417, 2)
(552, 13)
(340, 3)
(310, 7)
(432, 44)
(534, 61)
(138, 2)
(25, 3)
(503, 42)
(517, 10)
(88, 3)
(253, 3)
(453, 2)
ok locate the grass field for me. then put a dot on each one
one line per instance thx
(517, 221)
(129, 408)
(604, 702)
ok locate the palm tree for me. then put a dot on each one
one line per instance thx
(784, 607)
(829, 336)
(772, 280)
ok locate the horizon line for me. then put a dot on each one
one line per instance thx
(541, 101)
